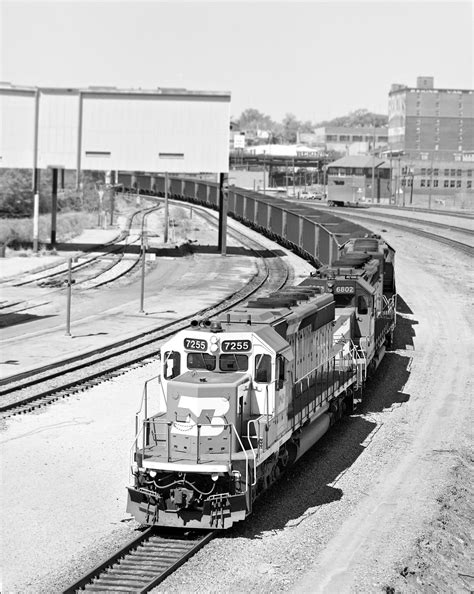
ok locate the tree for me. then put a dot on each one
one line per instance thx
(290, 128)
(16, 197)
(359, 117)
(252, 119)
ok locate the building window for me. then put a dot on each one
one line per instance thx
(435, 183)
(423, 183)
(469, 184)
(452, 183)
(410, 182)
(446, 172)
(446, 183)
(453, 171)
(428, 183)
(424, 156)
(356, 138)
(403, 182)
(435, 171)
(458, 183)
(469, 173)
(404, 170)
(423, 171)
(344, 137)
(458, 172)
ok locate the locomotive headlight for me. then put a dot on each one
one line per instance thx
(214, 348)
(214, 339)
(152, 473)
(214, 477)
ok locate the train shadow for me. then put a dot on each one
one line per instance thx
(238, 251)
(14, 319)
(311, 482)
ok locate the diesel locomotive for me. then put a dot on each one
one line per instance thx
(242, 395)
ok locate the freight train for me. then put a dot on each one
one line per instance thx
(242, 395)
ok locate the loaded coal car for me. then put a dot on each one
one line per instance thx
(243, 395)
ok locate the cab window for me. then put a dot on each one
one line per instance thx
(280, 371)
(233, 362)
(172, 364)
(263, 369)
(201, 361)
(362, 306)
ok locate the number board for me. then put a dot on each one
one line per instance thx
(195, 344)
(236, 346)
(346, 289)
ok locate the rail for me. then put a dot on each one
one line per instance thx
(142, 563)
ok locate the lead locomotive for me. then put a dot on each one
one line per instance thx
(243, 395)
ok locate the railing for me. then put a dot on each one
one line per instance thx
(158, 443)
(145, 434)
(144, 402)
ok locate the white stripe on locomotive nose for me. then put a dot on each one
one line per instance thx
(219, 406)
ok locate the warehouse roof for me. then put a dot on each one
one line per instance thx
(363, 161)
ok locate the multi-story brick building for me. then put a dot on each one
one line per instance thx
(431, 134)
(348, 140)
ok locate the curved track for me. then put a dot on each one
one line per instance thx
(92, 267)
(458, 245)
(456, 213)
(29, 390)
(142, 563)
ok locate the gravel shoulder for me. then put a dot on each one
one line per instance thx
(381, 503)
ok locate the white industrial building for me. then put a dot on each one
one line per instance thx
(103, 128)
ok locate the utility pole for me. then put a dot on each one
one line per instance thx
(143, 251)
(165, 239)
(373, 167)
(431, 180)
(294, 189)
(69, 284)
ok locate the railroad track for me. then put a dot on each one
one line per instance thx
(391, 217)
(57, 278)
(24, 392)
(458, 245)
(456, 213)
(142, 563)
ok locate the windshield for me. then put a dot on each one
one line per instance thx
(201, 361)
(233, 362)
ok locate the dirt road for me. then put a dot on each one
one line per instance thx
(402, 508)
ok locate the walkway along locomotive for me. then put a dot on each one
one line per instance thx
(243, 395)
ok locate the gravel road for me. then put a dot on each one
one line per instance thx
(376, 505)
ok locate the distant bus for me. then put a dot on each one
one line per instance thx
(352, 185)
(346, 190)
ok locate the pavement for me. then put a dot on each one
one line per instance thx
(173, 288)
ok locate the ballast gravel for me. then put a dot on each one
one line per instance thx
(344, 519)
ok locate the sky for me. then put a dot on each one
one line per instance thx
(317, 60)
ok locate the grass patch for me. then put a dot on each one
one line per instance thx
(19, 232)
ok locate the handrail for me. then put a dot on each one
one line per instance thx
(246, 457)
(253, 451)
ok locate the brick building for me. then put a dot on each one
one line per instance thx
(431, 136)
(353, 140)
